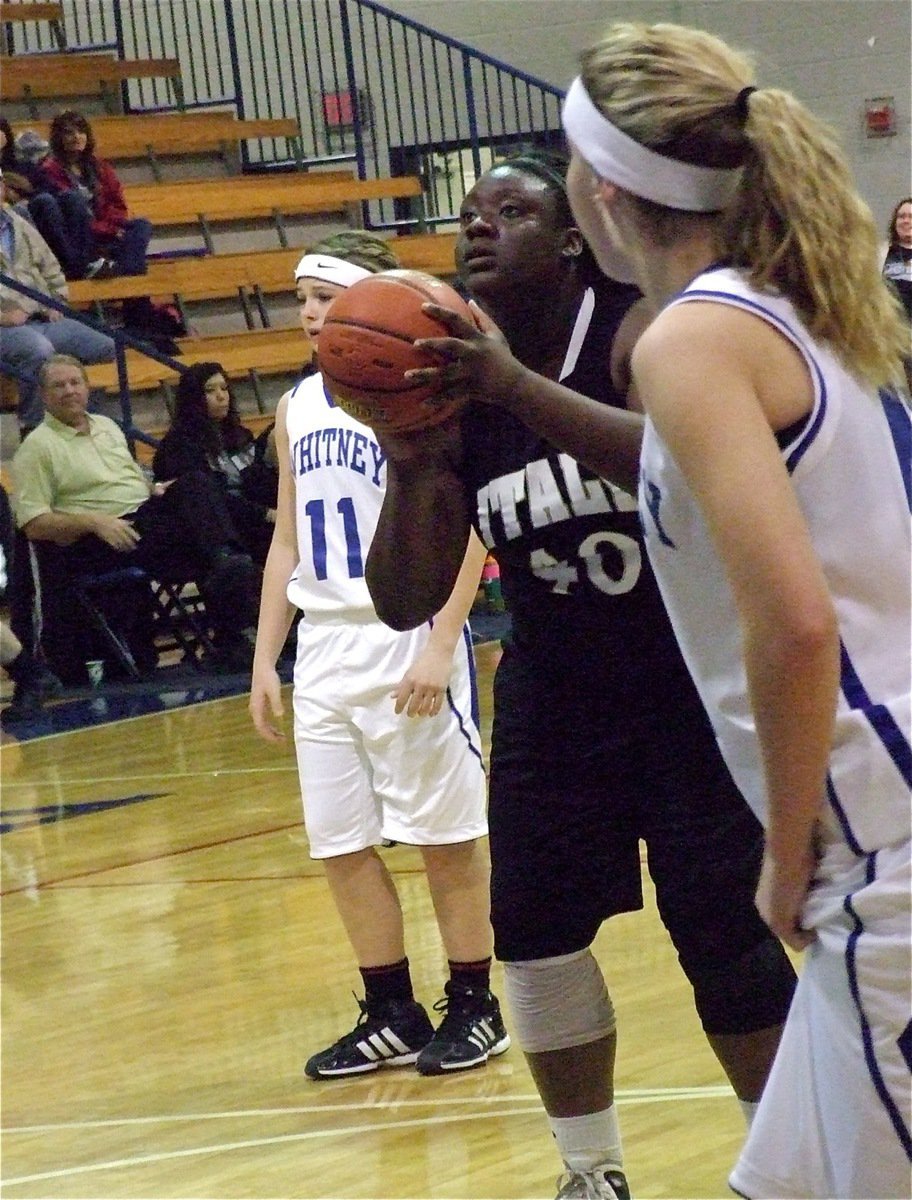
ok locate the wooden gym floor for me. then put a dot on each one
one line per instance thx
(170, 957)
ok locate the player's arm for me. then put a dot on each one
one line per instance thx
(421, 537)
(479, 366)
(707, 378)
(276, 612)
(422, 689)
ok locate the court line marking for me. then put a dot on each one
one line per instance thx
(710, 1091)
(660, 1096)
(59, 780)
(164, 712)
(47, 884)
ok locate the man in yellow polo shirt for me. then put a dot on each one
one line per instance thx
(84, 502)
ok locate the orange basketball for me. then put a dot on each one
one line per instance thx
(367, 344)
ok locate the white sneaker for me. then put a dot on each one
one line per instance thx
(602, 1183)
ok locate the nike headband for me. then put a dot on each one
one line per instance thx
(619, 159)
(330, 270)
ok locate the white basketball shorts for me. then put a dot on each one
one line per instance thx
(367, 774)
(835, 1115)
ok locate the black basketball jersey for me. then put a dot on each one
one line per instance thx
(591, 645)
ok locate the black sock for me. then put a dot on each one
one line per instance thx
(389, 982)
(471, 976)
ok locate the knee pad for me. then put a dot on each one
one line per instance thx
(559, 1002)
(754, 992)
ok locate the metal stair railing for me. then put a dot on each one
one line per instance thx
(368, 86)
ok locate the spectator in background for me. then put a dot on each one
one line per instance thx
(897, 268)
(32, 332)
(18, 174)
(207, 435)
(33, 682)
(91, 212)
(82, 499)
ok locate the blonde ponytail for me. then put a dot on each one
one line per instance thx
(797, 223)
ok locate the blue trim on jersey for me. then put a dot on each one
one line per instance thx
(473, 675)
(841, 817)
(805, 440)
(899, 421)
(896, 1119)
(329, 399)
(881, 720)
(473, 695)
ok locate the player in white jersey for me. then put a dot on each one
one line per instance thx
(775, 494)
(385, 723)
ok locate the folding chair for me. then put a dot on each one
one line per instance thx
(181, 616)
(88, 591)
(178, 616)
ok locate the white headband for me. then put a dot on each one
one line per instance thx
(619, 159)
(330, 270)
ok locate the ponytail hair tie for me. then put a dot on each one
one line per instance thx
(741, 100)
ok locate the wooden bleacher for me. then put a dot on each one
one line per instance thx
(139, 136)
(257, 197)
(26, 12)
(260, 351)
(253, 198)
(28, 78)
(220, 276)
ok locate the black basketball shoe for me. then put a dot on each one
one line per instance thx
(391, 1037)
(470, 1033)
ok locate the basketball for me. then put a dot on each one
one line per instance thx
(367, 344)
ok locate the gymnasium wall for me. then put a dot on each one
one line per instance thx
(833, 54)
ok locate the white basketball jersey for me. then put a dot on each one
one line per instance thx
(849, 463)
(339, 473)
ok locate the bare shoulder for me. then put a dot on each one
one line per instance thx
(705, 345)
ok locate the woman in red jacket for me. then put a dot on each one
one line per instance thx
(91, 211)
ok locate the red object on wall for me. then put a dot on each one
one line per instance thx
(880, 117)
(338, 110)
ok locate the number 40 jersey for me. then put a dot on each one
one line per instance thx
(339, 474)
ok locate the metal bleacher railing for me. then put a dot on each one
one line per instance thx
(121, 341)
(366, 85)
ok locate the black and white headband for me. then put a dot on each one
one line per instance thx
(617, 158)
(329, 269)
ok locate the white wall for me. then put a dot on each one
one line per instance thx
(833, 54)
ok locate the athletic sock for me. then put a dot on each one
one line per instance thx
(473, 976)
(589, 1141)
(391, 981)
(749, 1108)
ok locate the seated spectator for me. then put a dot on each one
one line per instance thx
(260, 480)
(85, 505)
(18, 174)
(89, 211)
(207, 435)
(33, 682)
(31, 332)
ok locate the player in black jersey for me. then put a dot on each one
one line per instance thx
(599, 738)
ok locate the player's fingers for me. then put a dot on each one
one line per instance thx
(450, 319)
(482, 321)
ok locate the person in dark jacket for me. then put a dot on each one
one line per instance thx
(207, 435)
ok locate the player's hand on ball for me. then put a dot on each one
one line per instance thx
(477, 362)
